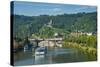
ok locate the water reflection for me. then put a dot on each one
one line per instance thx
(54, 55)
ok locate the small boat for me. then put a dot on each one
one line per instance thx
(40, 51)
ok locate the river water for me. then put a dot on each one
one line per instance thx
(53, 56)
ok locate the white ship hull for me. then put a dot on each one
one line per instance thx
(40, 51)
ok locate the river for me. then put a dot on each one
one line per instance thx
(53, 56)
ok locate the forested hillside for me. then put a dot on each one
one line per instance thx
(24, 26)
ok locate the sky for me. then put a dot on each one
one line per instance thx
(36, 9)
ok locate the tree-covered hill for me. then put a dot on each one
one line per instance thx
(24, 26)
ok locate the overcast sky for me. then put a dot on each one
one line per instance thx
(35, 9)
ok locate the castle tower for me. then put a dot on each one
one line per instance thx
(50, 23)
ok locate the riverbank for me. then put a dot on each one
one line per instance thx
(85, 49)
